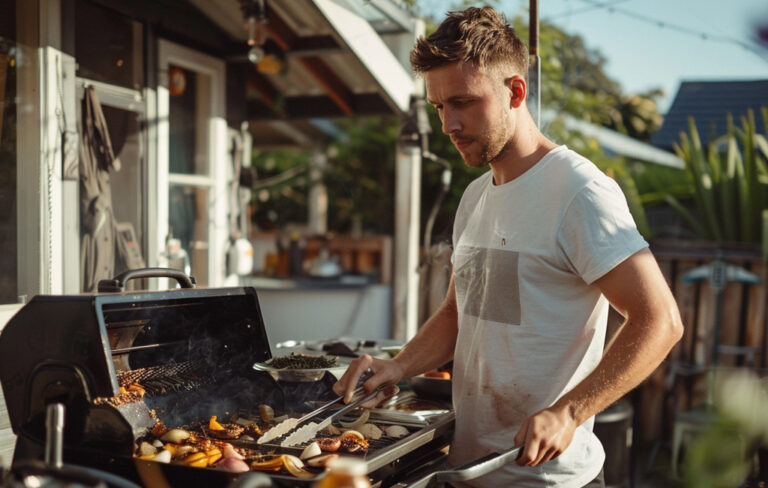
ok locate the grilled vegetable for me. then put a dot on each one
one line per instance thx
(295, 466)
(175, 436)
(396, 431)
(357, 422)
(274, 464)
(371, 431)
(214, 425)
(313, 449)
(233, 465)
(267, 413)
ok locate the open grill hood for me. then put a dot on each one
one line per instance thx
(192, 351)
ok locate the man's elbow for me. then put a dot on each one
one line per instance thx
(673, 325)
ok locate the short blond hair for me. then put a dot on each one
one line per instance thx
(477, 35)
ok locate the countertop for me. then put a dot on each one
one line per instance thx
(344, 282)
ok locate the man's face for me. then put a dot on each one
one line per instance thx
(474, 110)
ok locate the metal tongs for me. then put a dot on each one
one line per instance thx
(291, 424)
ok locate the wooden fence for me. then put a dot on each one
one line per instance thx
(680, 382)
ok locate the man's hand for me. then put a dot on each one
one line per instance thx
(546, 434)
(385, 371)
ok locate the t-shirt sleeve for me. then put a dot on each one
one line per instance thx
(598, 231)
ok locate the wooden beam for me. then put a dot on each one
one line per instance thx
(282, 34)
(268, 94)
(332, 84)
(311, 106)
(279, 31)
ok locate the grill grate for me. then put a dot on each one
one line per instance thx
(161, 380)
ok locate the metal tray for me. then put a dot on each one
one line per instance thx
(305, 375)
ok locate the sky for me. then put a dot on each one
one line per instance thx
(659, 43)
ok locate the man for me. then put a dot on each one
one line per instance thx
(543, 242)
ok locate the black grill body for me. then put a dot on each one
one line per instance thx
(192, 349)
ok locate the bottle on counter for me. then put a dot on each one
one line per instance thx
(345, 472)
(296, 255)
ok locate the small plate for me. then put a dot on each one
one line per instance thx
(305, 375)
(437, 387)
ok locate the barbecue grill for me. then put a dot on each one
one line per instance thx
(192, 350)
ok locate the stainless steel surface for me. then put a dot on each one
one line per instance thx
(410, 443)
(473, 469)
(310, 430)
(54, 435)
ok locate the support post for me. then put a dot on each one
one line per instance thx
(407, 223)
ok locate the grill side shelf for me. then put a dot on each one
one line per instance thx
(438, 426)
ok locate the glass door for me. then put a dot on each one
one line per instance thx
(191, 159)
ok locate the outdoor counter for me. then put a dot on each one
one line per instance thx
(319, 309)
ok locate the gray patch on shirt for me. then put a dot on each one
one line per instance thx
(488, 281)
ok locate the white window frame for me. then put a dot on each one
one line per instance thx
(215, 181)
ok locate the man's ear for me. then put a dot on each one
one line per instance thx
(518, 91)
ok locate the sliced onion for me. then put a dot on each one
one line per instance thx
(352, 433)
(184, 449)
(396, 431)
(163, 456)
(175, 436)
(321, 461)
(228, 451)
(146, 449)
(362, 419)
(313, 449)
(295, 466)
(371, 431)
(233, 465)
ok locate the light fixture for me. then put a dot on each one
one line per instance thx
(255, 13)
(255, 54)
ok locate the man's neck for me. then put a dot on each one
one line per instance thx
(524, 150)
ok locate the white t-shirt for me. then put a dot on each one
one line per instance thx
(531, 320)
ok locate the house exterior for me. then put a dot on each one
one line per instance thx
(710, 103)
(184, 89)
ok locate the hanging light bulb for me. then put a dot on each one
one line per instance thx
(255, 54)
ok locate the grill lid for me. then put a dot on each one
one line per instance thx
(70, 349)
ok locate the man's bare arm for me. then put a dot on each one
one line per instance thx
(432, 346)
(638, 290)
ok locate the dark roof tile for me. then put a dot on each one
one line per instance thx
(709, 103)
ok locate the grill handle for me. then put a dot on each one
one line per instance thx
(117, 284)
(54, 435)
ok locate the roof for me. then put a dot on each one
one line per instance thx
(709, 103)
(342, 58)
(616, 142)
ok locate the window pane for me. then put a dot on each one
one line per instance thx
(190, 95)
(8, 226)
(188, 214)
(108, 46)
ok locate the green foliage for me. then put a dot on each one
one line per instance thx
(729, 178)
(573, 80)
(720, 457)
(360, 177)
(280, 192)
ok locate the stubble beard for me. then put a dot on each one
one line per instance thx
(492, 149)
